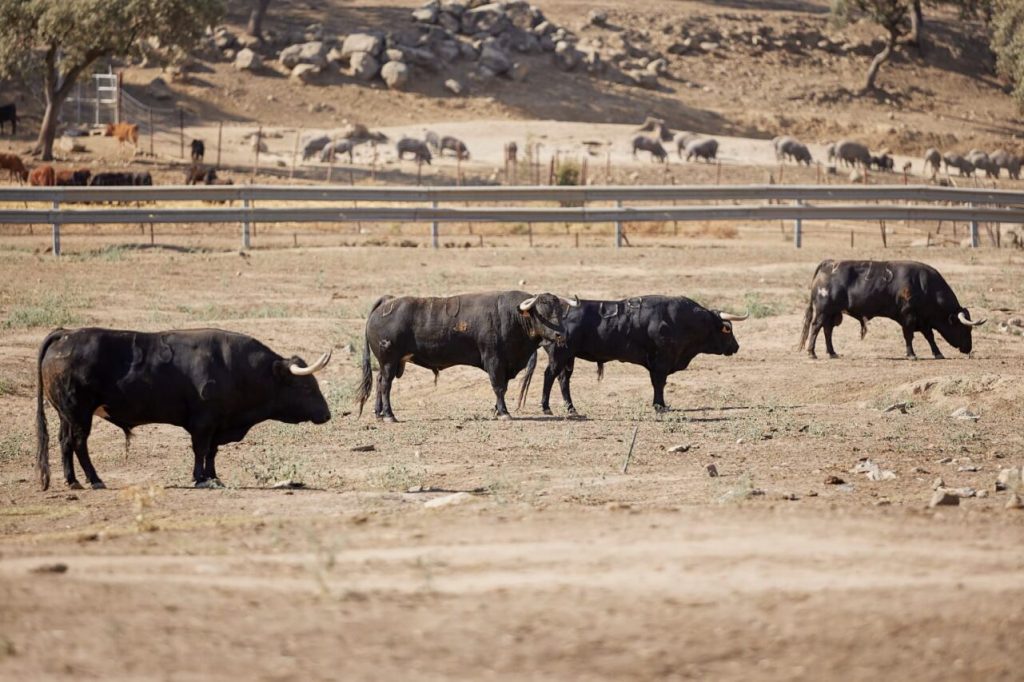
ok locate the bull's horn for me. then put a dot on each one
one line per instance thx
(528, 303)
(963, 320)
(315, 367)
(574, 303)
(733, 318)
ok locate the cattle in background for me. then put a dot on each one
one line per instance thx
(913, 294)
(418, 148)
(72, 178)
(932, 158)
(214, 384)
(331, 151)
(198, 151)
(706, 149)
(964, 166)
(651, 145)
(9, 113)
(112, 179)
(497, 332)
(312, 146)
(198, 174)
(42, 176)
(883, 162)
(454, 145)
(126, 133)
(14, 166)
(663, 334)
(143, 179)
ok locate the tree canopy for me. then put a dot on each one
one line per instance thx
(56, 41)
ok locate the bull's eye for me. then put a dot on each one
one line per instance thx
(726, 329)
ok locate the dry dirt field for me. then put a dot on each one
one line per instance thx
(558, 565)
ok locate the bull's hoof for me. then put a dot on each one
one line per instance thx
(211, 483)
(939, 356)
(661, 409)
(812, 355)
(547, 411)
(911, 357)
(505, 417)
(833, 356)
(98, 485)
(74, 485)
(389, 418)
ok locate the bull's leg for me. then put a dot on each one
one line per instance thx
(67, 455)
(387, 375)
(929, 336)
(908, 337)
(378, 404)
(549, 381)
(499, 382)
(658, 380)
(816, 325)
(829, 326)
(563, 383)
(210, 467)
(80, 440)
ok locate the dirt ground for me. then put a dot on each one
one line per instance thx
(558, 565)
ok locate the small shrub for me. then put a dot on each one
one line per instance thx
(270, 467)
(567, 172)
(13, 446)
(758, 307)
(51, 311)
(396, 478)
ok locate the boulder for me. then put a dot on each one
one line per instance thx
(362, 42)
(567, 57)
(448, 51)
(456, 7)
(395, 74)
(449, 22)
(247, 60)
(363, 65)
(314, 32)
(597, 17)
(426, 14)
(304, 73)
(224, 39)
(519, 14)
(543, 28)
(489, 18)
(421, 57)
(494, 58)
(303, 53)
(334, 56)
(453, 86)
(69, 145)
(645, 79)
(469, 51)
(657, 66)
(393, 54)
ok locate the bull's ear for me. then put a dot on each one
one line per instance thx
(281, 367)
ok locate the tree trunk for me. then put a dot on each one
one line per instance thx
(916, 25)
(256, 18)
(876, 63)
(48, 129)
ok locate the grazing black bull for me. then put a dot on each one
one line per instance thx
(497, 332)
(913, 294)
(661, 333)
(214, 384)
(198, 151)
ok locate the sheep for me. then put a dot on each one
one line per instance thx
(418, 148)
(706, 149)
(932, 158)
(649, 144)
(965, 167)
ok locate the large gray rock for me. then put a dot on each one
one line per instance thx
(494, 58)
(518, 72)
(304, 53)
(567, 57)
(421, 57)
(453, 86)
(304, 73)
(448, 51)
(247, 60)
(489, 18)
(363, 65)
(449, 22)
(519, 13)
(362, 42)
(426, 14)
(396, 75)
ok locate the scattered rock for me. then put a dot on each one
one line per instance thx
(363, 65)
(287, 484)
(247, 60)
(597, 17)
(964, 413)
(426, 14)
(50, 568)
(712, 470)
(944, 460)
(872, 471)
(69, 145)
(304, 73)
(969, 468)
(362, 42)
(981, 494)
(942, 498)
(679, 448)
(395, 74)
(303, 53)
(364, 448)
(448, 500)
(453, 86)
(966, 491)
(518, 72)
(494, 58)
(1009, 479)
(938, 483)
(1014, 502)
(834, 480)
(902, 407)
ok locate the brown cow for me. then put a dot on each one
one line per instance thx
(124, 132)
(15, 167)
(42, 176)
(72, 178)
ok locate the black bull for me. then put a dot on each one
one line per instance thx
(661, 333)
(497, 332)
(913, 294)
(214, 384)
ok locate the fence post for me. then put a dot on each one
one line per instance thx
(56, 229)
(220, 135)
(246, 238)
(798, 228)
(975, 241)
(181, 131)
(150, 132)
(434, 228)
(618, 227)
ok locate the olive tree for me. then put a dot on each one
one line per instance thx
(53, 42)
(891, 15)
(1008, 43)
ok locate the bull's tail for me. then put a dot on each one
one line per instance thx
(366, 384)
(809, 312)
(600, 371)
(524, 384)
(42, 434)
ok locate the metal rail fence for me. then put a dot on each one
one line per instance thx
(576, 205)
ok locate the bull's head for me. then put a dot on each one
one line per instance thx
(545, 315)
(722, 340)
(298, 395)
(956, 329)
